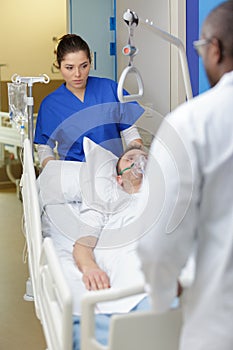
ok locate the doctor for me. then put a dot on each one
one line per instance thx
(190, 168)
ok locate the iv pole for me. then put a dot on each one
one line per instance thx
(17, 79)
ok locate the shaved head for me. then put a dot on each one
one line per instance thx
(219, 24)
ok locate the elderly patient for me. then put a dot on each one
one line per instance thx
(130, 168)
(95, 237)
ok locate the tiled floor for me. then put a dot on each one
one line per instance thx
(19, 327)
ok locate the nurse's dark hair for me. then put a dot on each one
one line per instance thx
(221, 22)
(70, 43)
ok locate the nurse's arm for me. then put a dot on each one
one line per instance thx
(131, 136)
(135, 142)
(45, 161)
(45, 154)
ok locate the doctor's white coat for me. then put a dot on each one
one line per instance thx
(190, 176)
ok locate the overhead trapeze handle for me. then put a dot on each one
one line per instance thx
(133, 97)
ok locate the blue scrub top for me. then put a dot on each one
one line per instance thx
(65, 120)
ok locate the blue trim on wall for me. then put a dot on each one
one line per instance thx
(204, 9)
(115, 38)
(71, 19)
(192, 33)
(196, 12)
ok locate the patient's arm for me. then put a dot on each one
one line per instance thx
(93, 277)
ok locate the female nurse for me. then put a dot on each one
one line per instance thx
(82, 106)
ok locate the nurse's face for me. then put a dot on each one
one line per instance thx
(75, 69)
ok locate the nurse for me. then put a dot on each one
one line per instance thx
(82, 106)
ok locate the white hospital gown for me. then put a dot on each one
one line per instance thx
(118, 257)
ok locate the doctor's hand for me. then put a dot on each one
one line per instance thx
(95, 279)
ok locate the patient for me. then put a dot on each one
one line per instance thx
(130, 168)
(92, 212)
(97, 250)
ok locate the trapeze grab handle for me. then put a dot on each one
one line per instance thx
(133, 97)
(17, 79)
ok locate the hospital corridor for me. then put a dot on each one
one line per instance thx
(19, 327)
(116, 163)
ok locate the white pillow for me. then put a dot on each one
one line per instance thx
(93, 181)
(59, 182)
(98, 180)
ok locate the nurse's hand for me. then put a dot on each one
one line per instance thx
(95, 279)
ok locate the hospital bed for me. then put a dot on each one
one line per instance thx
(53, 301)
(8, 134)
(10, 143)
(48, 287)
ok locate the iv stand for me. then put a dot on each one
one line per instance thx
(17, 79)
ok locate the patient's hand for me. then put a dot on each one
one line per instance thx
(95, 279)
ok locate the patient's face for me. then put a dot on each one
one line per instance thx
(130, 169)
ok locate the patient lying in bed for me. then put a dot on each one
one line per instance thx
(91, 213)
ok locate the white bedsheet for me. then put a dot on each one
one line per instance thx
(121, 264)
(80, 199)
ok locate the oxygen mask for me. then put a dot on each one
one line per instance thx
(138, 165)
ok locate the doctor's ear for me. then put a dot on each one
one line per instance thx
(119, 180)
(218, 50)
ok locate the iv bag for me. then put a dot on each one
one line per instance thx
(17, 100)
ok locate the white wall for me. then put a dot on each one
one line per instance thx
(178, 29)
(26, 45)
(26, 32)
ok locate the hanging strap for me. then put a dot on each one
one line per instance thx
(131, 19)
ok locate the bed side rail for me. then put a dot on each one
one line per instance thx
(32, 222)
(55, 300)
(136, 330)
